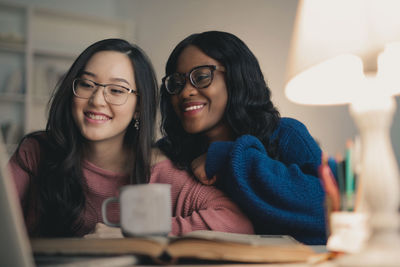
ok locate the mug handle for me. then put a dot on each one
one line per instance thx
(104, 211)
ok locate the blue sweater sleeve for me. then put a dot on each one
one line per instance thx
(279, 197)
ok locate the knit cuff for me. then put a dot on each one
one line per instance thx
(217, 157)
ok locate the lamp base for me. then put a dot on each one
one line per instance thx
(379, 184)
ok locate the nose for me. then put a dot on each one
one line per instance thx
(98, 97)
(188, 89)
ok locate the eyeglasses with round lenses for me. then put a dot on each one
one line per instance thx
(113, 93)
(200, 77)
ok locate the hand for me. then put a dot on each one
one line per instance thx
(199, 170)
(103, 231)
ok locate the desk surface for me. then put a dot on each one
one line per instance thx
(97, 261)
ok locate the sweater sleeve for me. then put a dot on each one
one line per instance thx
(209, 210)
(279, 198)
(199, 207)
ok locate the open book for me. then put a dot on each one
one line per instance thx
(202, 245)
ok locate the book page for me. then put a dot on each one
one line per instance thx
(256, 240)
(220, 246)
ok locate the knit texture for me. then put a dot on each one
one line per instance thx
(281, 196)
(194, 206)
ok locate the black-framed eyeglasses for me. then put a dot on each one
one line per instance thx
(113, 93)
(200, 77)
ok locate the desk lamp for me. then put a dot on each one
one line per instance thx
(348, 52)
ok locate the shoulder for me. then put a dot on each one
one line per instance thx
(295, 140)
(163, 170)
(289, 128)
(287, 124)
(30, 145)
(26, 157)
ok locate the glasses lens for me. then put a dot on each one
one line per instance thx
(83, 88)
(201, 77)
(174, 83)
(116, 94)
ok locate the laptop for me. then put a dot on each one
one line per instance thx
(15, 249)
(14, 243)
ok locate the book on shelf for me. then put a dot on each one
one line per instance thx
(14, 83)
(197, 245)
(47, 75)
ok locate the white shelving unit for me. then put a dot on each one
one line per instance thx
(37, 46)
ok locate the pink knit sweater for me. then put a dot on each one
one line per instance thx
(194, 206)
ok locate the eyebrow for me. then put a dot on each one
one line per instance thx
(113, 79)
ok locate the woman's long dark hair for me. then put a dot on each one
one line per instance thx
(249, 109)
(58, 187)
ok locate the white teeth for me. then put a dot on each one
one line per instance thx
(193, 107)
(97, 117)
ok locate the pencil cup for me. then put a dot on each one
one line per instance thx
(144, 209)
(349, 231)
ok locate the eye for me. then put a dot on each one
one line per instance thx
(115, 90)
(178, 78)
(201, 77)
(85, 84)
(175, 80)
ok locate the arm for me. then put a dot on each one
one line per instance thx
(198, 168)
(198, 207)
(280, 198)
(207, 208)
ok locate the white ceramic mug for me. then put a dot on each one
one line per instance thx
(145, 209)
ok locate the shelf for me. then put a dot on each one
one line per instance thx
(83, 18)
(12, 27)
(37, 47)
(48, 53)
(74, 31)
(9, 97)
(10, 46)
(41, 99)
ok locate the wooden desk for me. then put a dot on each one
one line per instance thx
(44, 261)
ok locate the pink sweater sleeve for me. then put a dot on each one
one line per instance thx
(199, 207)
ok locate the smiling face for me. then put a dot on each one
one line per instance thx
(97, 120)
(201, 110)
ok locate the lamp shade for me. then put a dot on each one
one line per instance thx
(335, 47)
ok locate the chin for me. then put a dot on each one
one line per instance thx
(192, 130)
(93, 137)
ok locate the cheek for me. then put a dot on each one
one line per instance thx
(175, 103)
(221, 100)
(127, 110)
(76, 107)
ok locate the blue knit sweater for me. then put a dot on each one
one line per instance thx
(280, 196)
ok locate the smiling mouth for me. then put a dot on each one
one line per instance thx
(97, 117)
(196, 107)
